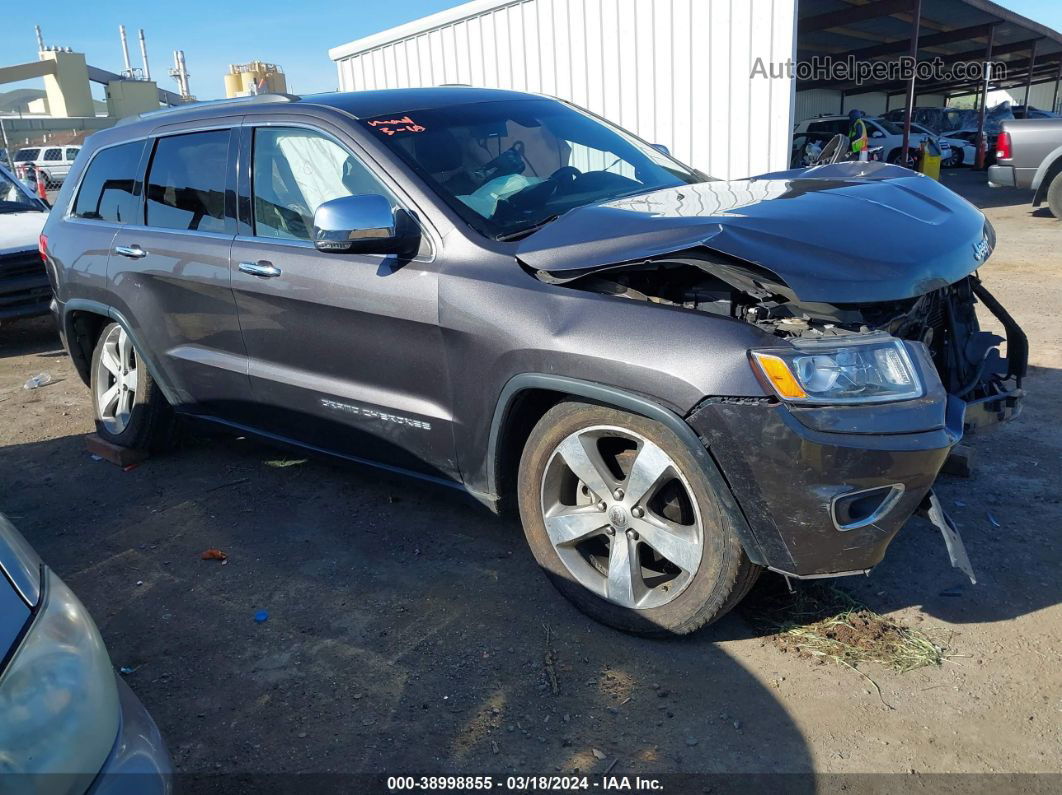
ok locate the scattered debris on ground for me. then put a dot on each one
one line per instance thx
(823, 623)
(214, 554)
(551, 662)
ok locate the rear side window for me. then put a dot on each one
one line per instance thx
(108, 190)
(26, 155)
(53, 154)
(186, 182)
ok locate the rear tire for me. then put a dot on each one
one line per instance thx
(673, 539)
(130, 409)
(1054, 197)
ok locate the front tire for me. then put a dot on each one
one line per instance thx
(129, 407)
(625, 523)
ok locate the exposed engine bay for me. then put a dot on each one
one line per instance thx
(968, 359)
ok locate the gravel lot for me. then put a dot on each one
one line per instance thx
(407, 627)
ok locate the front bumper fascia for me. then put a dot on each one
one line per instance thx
(787, 478)
(25, 296)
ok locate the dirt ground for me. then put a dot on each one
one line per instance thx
(407, 628)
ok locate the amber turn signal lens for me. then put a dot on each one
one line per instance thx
(777, 372)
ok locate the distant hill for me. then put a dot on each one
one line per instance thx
(17, 99)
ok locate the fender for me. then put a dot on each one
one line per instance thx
(105, 310)
(1051, 164)
(636, 404)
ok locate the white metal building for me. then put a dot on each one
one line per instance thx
(678, 72)
(674, 72)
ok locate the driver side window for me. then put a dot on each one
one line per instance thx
(295, 171)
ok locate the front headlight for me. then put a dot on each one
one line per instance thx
(59, 710)
(872, 369)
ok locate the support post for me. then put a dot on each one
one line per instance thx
(7, 147)
(1058, 79)
(1028, 79)
(916, 12)
(982, 109)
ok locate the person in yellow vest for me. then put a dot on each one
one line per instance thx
(857, 134)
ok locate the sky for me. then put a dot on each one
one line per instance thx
(295, 34)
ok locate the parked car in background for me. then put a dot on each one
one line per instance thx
(504, 294)
(882, 133)
(936, 120)
(24, 287)
(53, 162)
(956, 151)
(68, 723)
(968, 138)
(1029, 155)
(1033, 113)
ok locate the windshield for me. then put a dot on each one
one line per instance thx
(507, 167)
(12, 198)
(26, 155)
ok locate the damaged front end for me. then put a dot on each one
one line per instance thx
(887, 298)
(981, 368)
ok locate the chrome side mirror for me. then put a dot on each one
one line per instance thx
(364, 224)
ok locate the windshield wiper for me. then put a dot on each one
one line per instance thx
(527, 230)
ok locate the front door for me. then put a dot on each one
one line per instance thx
(345, 351)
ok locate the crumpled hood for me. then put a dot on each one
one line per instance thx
(841, 233)
(19, 231)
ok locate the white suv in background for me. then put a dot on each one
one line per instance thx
(886, 134)
(52, 161)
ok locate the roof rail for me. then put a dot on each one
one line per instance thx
(254, 99)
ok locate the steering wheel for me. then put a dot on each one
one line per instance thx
(565, 175)
(539, 194)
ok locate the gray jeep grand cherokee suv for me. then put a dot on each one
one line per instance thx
(680, 380)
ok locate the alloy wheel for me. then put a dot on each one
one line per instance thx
(116, 381)
(622, 517)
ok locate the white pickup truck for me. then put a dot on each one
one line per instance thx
(24, 287)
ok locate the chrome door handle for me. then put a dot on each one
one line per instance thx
(267, 270)
(133, 252)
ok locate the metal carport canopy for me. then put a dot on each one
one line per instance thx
(954, 30)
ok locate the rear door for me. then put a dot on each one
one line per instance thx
(107, 198)
(70, 155)
(345, 351)
(53, 164)
(171, 271)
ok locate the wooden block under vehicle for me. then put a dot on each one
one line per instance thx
(116, 454)
(959, 461)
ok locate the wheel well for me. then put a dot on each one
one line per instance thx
(82, 331)
(1053, 171)
(521, 416)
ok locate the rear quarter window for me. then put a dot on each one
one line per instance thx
(26, 155)
(108, 191)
